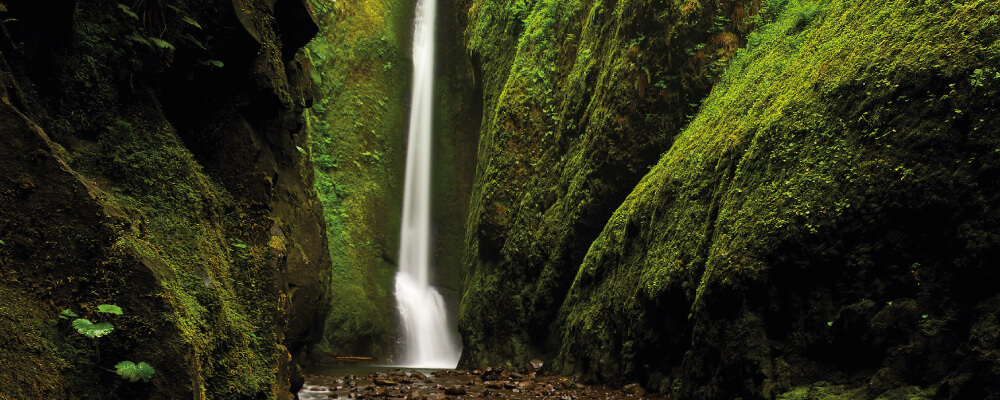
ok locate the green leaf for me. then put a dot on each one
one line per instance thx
(163, 44)
(192, 22)
(195, 41)
(924, 316)
(1, 242)
(128, 11)
(240, 245)
(139, 39)
(216, 63)
(829, 323)
(92, 330)
(67, 314)
(110, 308)
(301, 150)
(133, 372)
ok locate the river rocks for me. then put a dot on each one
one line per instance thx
(634, 389)
(491, 374)
(457, 390)
(415, 395)
(451, 386)
(384, 382)
(534, 366)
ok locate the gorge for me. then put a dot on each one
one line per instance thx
(712, 199)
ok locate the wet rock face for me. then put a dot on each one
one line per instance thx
(150, 178)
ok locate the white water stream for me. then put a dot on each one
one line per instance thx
(427, 342)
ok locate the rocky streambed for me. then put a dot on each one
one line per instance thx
(388, 383)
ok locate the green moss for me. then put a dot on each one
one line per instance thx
(175, 220)
(844, 144)
(579, 99)
(821, 392)
(356, 130)
(25, 337)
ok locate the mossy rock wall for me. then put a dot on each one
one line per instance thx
(579, 100)
(824, 228)
(357, 129)
(162, 176)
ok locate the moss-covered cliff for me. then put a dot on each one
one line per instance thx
(150, 162)
(580, 98)
(826, 217)
(357, 128)
(824, 227)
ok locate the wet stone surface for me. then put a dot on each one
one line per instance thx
(458, 384)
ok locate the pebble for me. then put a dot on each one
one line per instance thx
(634, 389)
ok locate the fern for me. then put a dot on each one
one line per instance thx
(192, 22)
(128, 11)
(133, 372)
(163, 44)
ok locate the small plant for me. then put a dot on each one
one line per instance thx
(126, 369)
(133, 372)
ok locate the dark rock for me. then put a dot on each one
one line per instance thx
(534, 366)
(516, 375)
(510, 385)
(379, 392)
(492, 385)
(490, 374)
(384, 382)
(418, 375)
(415, 395)
(457, 390)
(526, 386)
(634, 389)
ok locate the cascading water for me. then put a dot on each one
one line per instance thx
(428, 342)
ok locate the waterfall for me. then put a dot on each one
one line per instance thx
(427, 340)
